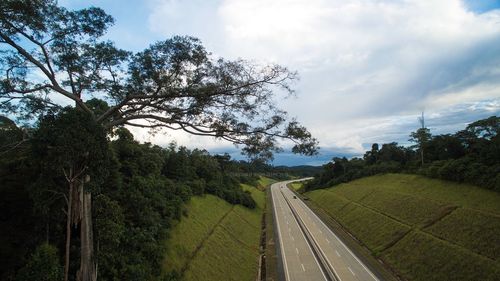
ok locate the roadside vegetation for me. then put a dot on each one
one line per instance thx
(140, 191)
(216, 240)
(424, 229)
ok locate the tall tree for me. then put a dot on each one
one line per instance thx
(66, 144)
(421, 137)
(49, 53)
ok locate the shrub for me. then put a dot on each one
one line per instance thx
(43, 265)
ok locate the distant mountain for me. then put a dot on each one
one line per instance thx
(301, 170)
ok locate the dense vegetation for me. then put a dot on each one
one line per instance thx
(138, 190)
(471, 155)
(425, 229)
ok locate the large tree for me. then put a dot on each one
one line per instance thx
(421, 138)
(49, 54)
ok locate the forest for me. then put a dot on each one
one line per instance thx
(471, 155)
(139, 189)
(81, 199)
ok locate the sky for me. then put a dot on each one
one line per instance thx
(368, 68)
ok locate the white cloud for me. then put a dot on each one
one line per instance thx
(364, 64)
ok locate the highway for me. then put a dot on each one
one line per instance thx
(309, 250)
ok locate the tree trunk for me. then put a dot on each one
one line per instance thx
(87, 270)
(68, 231)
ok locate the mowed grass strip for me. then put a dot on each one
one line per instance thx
(409, 209)
(420, 256)
(202, 216)
(231, 250)
(479, 232)
(449, 193)
(373, 229)
(223, 258)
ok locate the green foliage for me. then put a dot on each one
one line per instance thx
(471, 155)
(231, 100)
(43, 265)
(17, 222)
(71, 143)
(110, 232)
(426, 229)
(204, 173)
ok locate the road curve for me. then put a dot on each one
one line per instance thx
(309, 249)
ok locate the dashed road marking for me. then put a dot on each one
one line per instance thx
(337, 253)
(297, 250)
(303, 268)
(351, 271)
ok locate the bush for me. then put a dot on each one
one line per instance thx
(42, 266)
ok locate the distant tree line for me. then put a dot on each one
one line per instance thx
(138, 191)
(471, 155)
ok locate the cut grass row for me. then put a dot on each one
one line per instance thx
(421, 225)
(373, 229)
(216, 241)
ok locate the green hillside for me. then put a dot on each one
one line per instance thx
(425, 229)
(216, 240)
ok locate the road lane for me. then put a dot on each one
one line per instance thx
(299, 262)
(334, 254)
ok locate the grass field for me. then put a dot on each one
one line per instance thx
(423, 228)
(216, 241)
(296, 185)
(265, 181)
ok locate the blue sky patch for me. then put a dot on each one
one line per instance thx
(482, 6)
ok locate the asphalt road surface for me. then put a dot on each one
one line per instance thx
(309, 249)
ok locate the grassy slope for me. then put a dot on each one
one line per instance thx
(296, 185)
(216, 241)
(264, 182)
(424, 228)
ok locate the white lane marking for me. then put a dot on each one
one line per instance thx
(303, 268)
(287, 276)
(337, 252)
(321, 250)
(329, 230)
(351, 271)
(308, 246)
(327, 241)
(297, 250)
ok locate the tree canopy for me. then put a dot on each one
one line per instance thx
(471, 155)
(48, 52)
